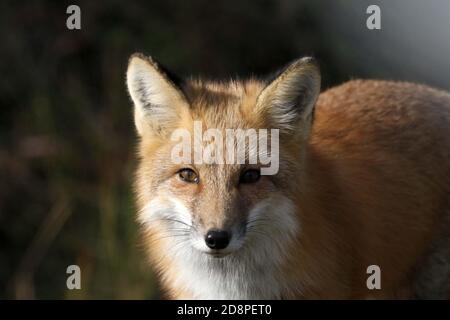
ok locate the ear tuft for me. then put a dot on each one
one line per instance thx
(289, 99)
(156, 98)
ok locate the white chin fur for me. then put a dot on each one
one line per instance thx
(251, 268)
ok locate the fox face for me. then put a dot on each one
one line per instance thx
(216, 225)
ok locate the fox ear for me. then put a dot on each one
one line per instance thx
(288, 101)
(158, 102)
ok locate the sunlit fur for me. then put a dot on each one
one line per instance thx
(363, 180)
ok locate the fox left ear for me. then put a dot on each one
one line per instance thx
(288, 101)
(158, 102)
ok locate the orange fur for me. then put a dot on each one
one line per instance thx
(370, 184)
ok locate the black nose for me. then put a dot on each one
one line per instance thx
(217, 239)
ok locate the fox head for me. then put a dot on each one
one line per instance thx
(215, 211)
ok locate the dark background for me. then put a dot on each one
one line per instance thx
(67, 136)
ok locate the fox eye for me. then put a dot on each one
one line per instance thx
(250, 176)
(188, 175)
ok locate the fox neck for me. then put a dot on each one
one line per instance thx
(236, 277)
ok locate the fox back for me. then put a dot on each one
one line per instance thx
(361, 179)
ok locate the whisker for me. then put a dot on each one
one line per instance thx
(173, 236)
(252, 231)
(174, 220)
(257, 219)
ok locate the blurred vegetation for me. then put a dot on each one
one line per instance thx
(67, 137)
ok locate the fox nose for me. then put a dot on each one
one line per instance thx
(217, 239)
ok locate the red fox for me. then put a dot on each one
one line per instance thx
(363, 180)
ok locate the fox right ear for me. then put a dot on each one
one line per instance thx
(290, 98)
(158, 102)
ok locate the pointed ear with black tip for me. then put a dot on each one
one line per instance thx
(288, 101)
(158, 102)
